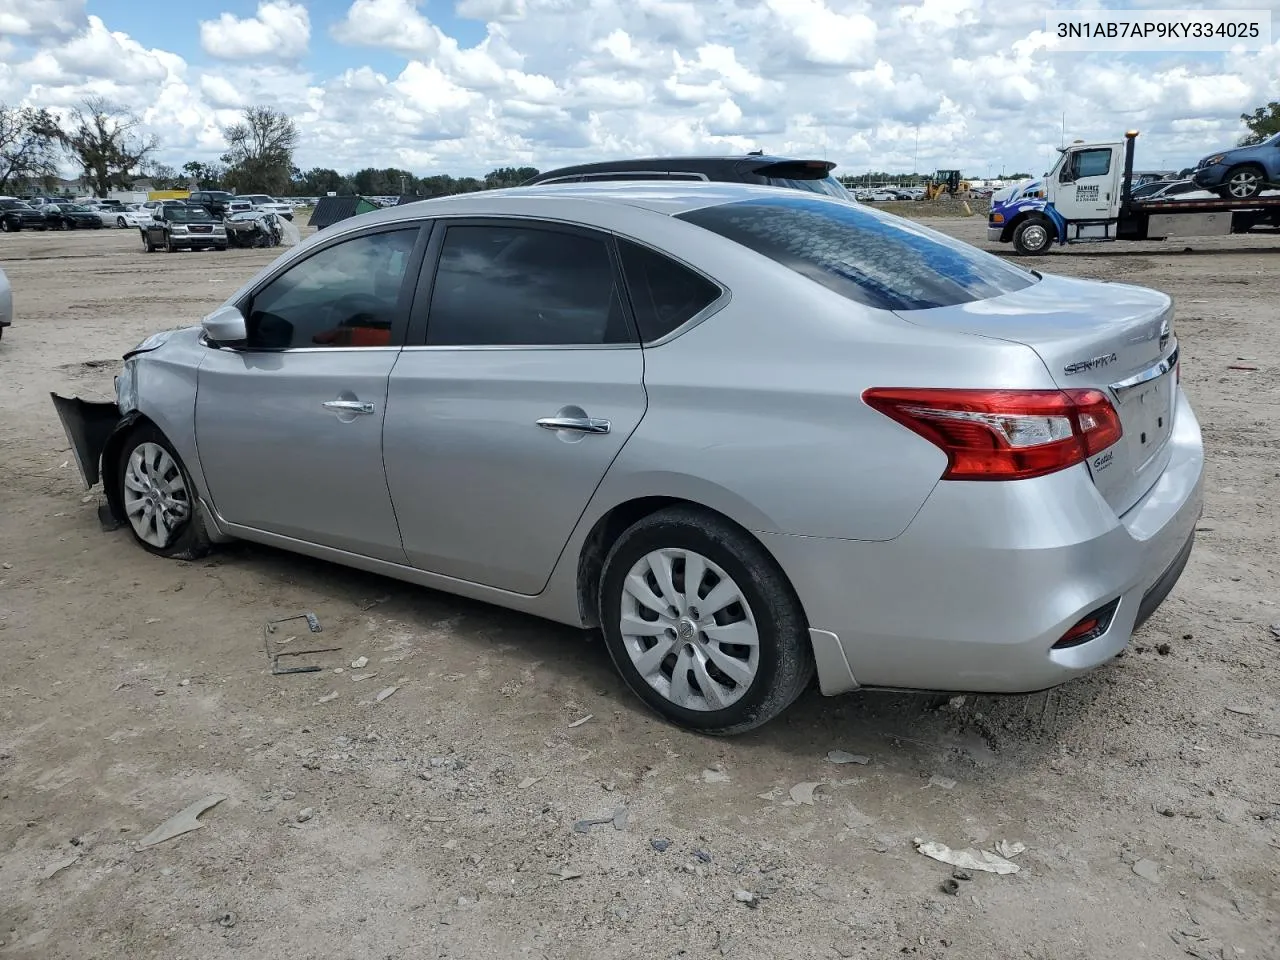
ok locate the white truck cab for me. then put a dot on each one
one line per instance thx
(1086, 198)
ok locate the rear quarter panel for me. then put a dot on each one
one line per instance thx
(757, 411)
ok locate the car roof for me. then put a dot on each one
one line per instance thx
(717, 165)
(671, 198)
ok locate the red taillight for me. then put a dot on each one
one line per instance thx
(1004, 434)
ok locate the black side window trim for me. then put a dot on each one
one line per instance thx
(399, 325)
(710, 310)
(420, 317)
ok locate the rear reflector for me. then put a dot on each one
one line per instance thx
(1089, 628)
(1004, 434)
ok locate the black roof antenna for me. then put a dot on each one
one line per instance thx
(756, 153)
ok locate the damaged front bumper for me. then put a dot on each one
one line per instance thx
(88, 425)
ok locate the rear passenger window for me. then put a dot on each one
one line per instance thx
(664, 294)
(522, 286)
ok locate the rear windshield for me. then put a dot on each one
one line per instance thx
(870, 257)
(826, 185)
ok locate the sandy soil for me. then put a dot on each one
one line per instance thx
(442, 818)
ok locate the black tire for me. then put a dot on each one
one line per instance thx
(168, 245)
(188, 540)
(221, 247)
(7, 227)
(147, 245)
(1242, 183)
(120, 223)
(786, 664)
(1033, 237)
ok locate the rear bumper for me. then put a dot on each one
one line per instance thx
(989, 576)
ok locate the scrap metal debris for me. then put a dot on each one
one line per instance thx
(803, 792)
(183, 822)
(1010, 850)
(968, 859)
(578, 723)
(55, 868)
(383, 694)
(274, 653)
(564, 873)
(842, 756)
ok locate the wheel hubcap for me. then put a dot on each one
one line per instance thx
(1244, 183)
(155, 495)
(1034, 237)
(689, 630)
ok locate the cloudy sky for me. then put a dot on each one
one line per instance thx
(463, 86)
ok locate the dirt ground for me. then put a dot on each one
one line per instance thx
(440, 821)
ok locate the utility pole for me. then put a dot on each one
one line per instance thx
(1062, 141)
(915, 160)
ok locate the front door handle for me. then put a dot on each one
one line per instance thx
(349, 406)
(575, 424)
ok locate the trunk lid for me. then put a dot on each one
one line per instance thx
(1113, 337)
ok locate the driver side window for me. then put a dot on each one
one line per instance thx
(346, 295)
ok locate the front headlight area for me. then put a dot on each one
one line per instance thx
(127, 386)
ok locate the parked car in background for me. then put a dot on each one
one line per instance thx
(1168, 190)
(133, 215)
(106, 210)
(262, 203)
(1243, 172)
(216, 202)
(811, 175)
(17, 214)
(174, 226)
(6, 303)
(70, 216)
(752, 434)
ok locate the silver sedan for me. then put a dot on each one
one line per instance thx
(754, 435)
(6, 303)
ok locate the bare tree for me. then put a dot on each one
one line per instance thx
(104, 140)
(163, 176)
(260, 151)
(28, 147)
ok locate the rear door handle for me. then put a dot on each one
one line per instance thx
(575, 424)
(349, 406)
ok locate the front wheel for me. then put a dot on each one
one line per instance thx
(168, 245)
(702, 624)
(158, 498)
(1032, 238)
(1243, 183)
(120, 223)
(147, 245)
(6, 226)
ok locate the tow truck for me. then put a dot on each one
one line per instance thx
(1087, 198)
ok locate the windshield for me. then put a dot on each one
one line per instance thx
(14, 205)
(870, 257)
(74, 207)
(187, 215)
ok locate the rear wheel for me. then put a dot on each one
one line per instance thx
(120, 222)
(702, 624)
(7, 227)
(158, 498)
(1242, 183)
(1033, 237)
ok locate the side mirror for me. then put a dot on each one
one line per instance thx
(225, 325)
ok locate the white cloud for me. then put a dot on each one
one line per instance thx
(41, 18)
(281, 30)
(563, 81)
(391, 24)
(491, 10)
